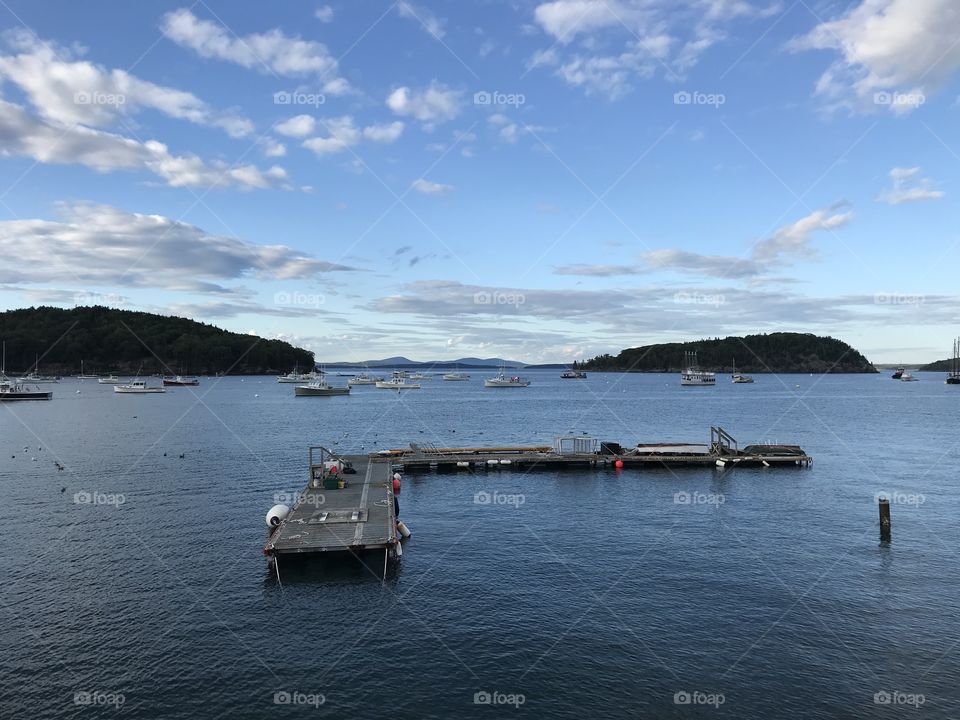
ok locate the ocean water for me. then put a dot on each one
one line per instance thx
(134, 585)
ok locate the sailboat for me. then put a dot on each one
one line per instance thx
(953, 377)
(35, 377)
(84, 376)
(737, 377)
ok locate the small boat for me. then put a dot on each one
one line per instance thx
(419, 376)
(84, 376)
(456, 376)
(738, 377)
(573, 375)
(11, 391)
(898, 373)
(907, 377)
(137, 387)
(693, 376)
(502, 381)
(34, 377)
(181, 380)
(397, 382)
(319, 388)
(363, 379)
(953, 377)
(295, 376)
(110, 379)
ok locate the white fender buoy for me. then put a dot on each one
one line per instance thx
(721, 463)
(493, 462)
(766, 464)
(404, 530)
(506, 462)
(277, 515)
(463, 463)
(398, 550)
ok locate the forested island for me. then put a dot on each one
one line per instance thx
(108, 340)
(780, 352)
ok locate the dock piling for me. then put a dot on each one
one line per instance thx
(884, 519)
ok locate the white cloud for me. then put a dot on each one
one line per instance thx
(54, 143)
(270, 52)
(427, 20)
(297, 126)
(101, 245)
(909, 187)
(343, 133)
(427, 187)
(272, 148)
(324, 14)
(901, 46)
(68, 90)
(434, 104)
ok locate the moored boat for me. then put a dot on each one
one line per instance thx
(898, 373)
(502, 381)
(573, 374)
(319, 388)
(363, 379)
(110, 379)
(181, 380)
(739, 378)
(692, 375)
(397, 382)
(456, 376)
(137, 387)
(953, 377)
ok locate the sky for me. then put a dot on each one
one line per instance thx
(543, 181)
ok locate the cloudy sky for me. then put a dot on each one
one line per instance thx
(538, 180)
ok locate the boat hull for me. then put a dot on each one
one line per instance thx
(498, 384)
(387, 385)
(181, 383)
(23, 395)
(320, 392)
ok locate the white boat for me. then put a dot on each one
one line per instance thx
(84, 376)
(109, 380)
(573, 375)
(363, 379)
(137, 387)
(502, 381)
(907, 377)
(295, 376)
(181, 380)
(738, 377)
(692, 375)
(15, 391)
(455, 376)
(397, 382)
(319, 388)
(419, 376)
(34, 377)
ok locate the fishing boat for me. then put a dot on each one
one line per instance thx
(181, 380)
(110, 379)
(692, 375)
(397, 382)
(13, 391)
(295, 376)
(456, 376)
(419, 376)
(953, 377)
(907, 377)
(573, 374)
(137, 387)
(738, 377)
(84, 376)
(34, 377)
(319, 388)
(897, 374)
(502, 381)
(363, 379)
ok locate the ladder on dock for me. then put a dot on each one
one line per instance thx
(722, 443)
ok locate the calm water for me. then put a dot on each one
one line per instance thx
(598, 596)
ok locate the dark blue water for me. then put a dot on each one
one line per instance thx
(598, 596)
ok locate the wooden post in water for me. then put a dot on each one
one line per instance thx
(884, 519)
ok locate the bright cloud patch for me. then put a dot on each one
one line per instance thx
(434, 104)
(908, 186)
(342, 133)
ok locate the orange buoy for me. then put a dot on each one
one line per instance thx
(618, 464)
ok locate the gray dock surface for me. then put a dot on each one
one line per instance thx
(357, 517)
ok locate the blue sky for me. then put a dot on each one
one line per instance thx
(538, 180)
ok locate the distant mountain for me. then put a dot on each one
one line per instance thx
(109, 340)
(773, 352)
(937, 366)
(403, 362)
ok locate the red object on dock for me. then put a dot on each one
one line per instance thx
(396, 484)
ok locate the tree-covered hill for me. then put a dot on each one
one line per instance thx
(108, 340)
(774, 352)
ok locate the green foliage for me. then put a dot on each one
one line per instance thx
(774, 352)
(120, 340)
